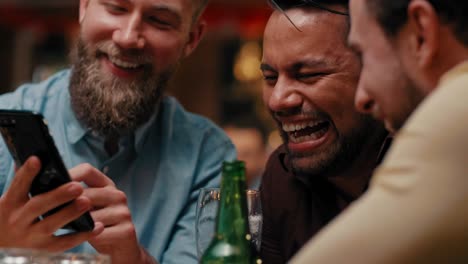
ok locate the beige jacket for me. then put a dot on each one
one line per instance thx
(416, 209)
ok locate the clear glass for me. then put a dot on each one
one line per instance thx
(207, 209)
(27, 256)
(20, 256)
(254, 206)
(78, 258)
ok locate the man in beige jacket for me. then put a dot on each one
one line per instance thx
(415, 79)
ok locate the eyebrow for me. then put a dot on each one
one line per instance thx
(312, 63)
(162, 8)
(167, 9)
(266, 67)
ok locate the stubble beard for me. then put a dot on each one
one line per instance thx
(414, 95)
(341, 154)
(107, 104)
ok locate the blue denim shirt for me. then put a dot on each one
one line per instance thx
(160, 167)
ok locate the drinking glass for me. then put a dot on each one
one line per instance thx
(29, 256)
(207, 210)
(78, 258)
(20, 256)
(254, 206)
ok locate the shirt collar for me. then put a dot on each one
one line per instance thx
(459, 69)
(75, 131)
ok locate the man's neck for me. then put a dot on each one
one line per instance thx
(353, 181)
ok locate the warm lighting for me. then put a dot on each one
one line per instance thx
(247, 62)
(274, 140)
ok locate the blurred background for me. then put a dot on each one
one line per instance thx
(221, 80)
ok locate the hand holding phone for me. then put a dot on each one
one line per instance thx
(19, 227)
(26, 134)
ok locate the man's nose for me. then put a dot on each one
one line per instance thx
(129, 34)
(284, 97)
(362, 101)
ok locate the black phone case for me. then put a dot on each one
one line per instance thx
(25, 134)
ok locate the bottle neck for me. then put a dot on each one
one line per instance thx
(232, 215)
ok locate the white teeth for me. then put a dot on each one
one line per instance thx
(299, 126)
(123, 64)
(313, 136)
(289, 128)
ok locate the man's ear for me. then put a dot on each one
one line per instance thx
(195, 35)
(425, 31)
(83, 6)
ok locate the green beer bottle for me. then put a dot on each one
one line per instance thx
(231, 243)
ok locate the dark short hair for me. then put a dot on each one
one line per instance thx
(284, 5)
(392, 15)
(321, 4)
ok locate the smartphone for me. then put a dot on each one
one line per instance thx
(26, 133)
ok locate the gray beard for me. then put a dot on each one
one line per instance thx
(110, 105)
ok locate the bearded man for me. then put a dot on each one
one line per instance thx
(142, 157)
(414, 79)
(330, 149)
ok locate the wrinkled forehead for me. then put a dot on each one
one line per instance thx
(316, 40)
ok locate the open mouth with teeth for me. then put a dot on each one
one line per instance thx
(129, 66)
(307, 131)
(122, 68)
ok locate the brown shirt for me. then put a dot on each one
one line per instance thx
(295, 208)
